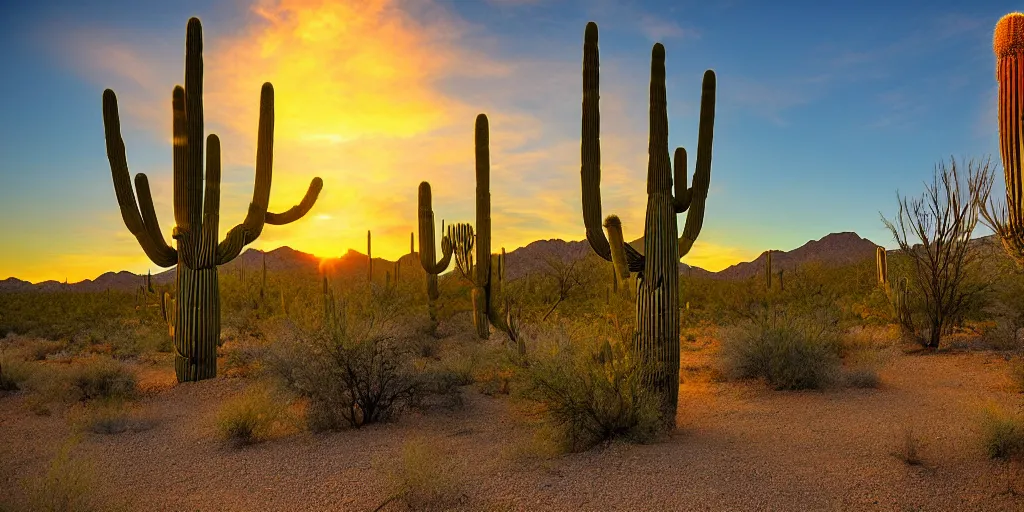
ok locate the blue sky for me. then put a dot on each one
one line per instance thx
(825, 110)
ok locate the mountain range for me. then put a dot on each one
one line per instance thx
(835, 248)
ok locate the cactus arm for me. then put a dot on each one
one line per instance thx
(614, 227)
(590, 154)
(207, 256)
(702, 173)
(683, 195)
(590, 147)
(152, 224)
(250, 228)
(426, 226)
(156, 248)
(298, 211)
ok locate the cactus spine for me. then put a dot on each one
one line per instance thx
(1008, 45)
(196, 214)
(427, 253)
(657, 306)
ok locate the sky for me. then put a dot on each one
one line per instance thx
(825, 110)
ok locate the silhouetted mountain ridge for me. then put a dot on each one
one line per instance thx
(833, 249)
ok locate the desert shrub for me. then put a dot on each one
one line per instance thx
(348, 381)
(251, 417)
(101, 378)
(789, 351)
(592, 392)
(426, 477)
(14, 373)
(1017, 373)
(1003, 434)
(243, 358)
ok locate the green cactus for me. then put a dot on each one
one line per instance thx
(656, 340)
(462, 238)
(196, 214)
(768, 270)
(483, 294)
(1008, 45)
(881, 267)
(427, 252)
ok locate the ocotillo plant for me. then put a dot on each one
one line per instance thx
(196, 213)
(657, 305)
(427, 254)
(1008, 44)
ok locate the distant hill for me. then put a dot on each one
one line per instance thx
(833, 249)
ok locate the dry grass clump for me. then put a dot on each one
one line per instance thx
(1003, 434)
(253, 416)
(108, 417)
(909, 448)
(67, 486)
(100, 378)
(426, 477)
(787, 350)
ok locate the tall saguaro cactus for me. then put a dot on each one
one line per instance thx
(428, 257)
(657, 306)
(483, 294)
(768, 270)
(1008, 44)
(196, 212)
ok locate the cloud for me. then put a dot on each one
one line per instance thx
(375, 97)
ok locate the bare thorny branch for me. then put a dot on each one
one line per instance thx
(934, 233)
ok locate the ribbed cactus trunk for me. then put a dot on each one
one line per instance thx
(1008, 45)
(656, 340)
(657, 305)
(482, 287)
(196, 315)
(428, 255)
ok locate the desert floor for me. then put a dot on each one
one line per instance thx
(739, 446)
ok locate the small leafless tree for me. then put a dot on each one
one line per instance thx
(934, 233)
(567, 275)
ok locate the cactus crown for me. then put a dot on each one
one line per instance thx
(1009, 35)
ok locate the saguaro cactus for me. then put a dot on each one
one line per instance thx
(483, 295)
(881, 267)
(369, 259)
(768, 270)
(1008, 44)
(657, 306)
(196, 213)
(427, 253)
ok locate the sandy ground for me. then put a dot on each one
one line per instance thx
(739, 446)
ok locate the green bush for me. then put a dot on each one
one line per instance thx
(789, 351)
(592, 392)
